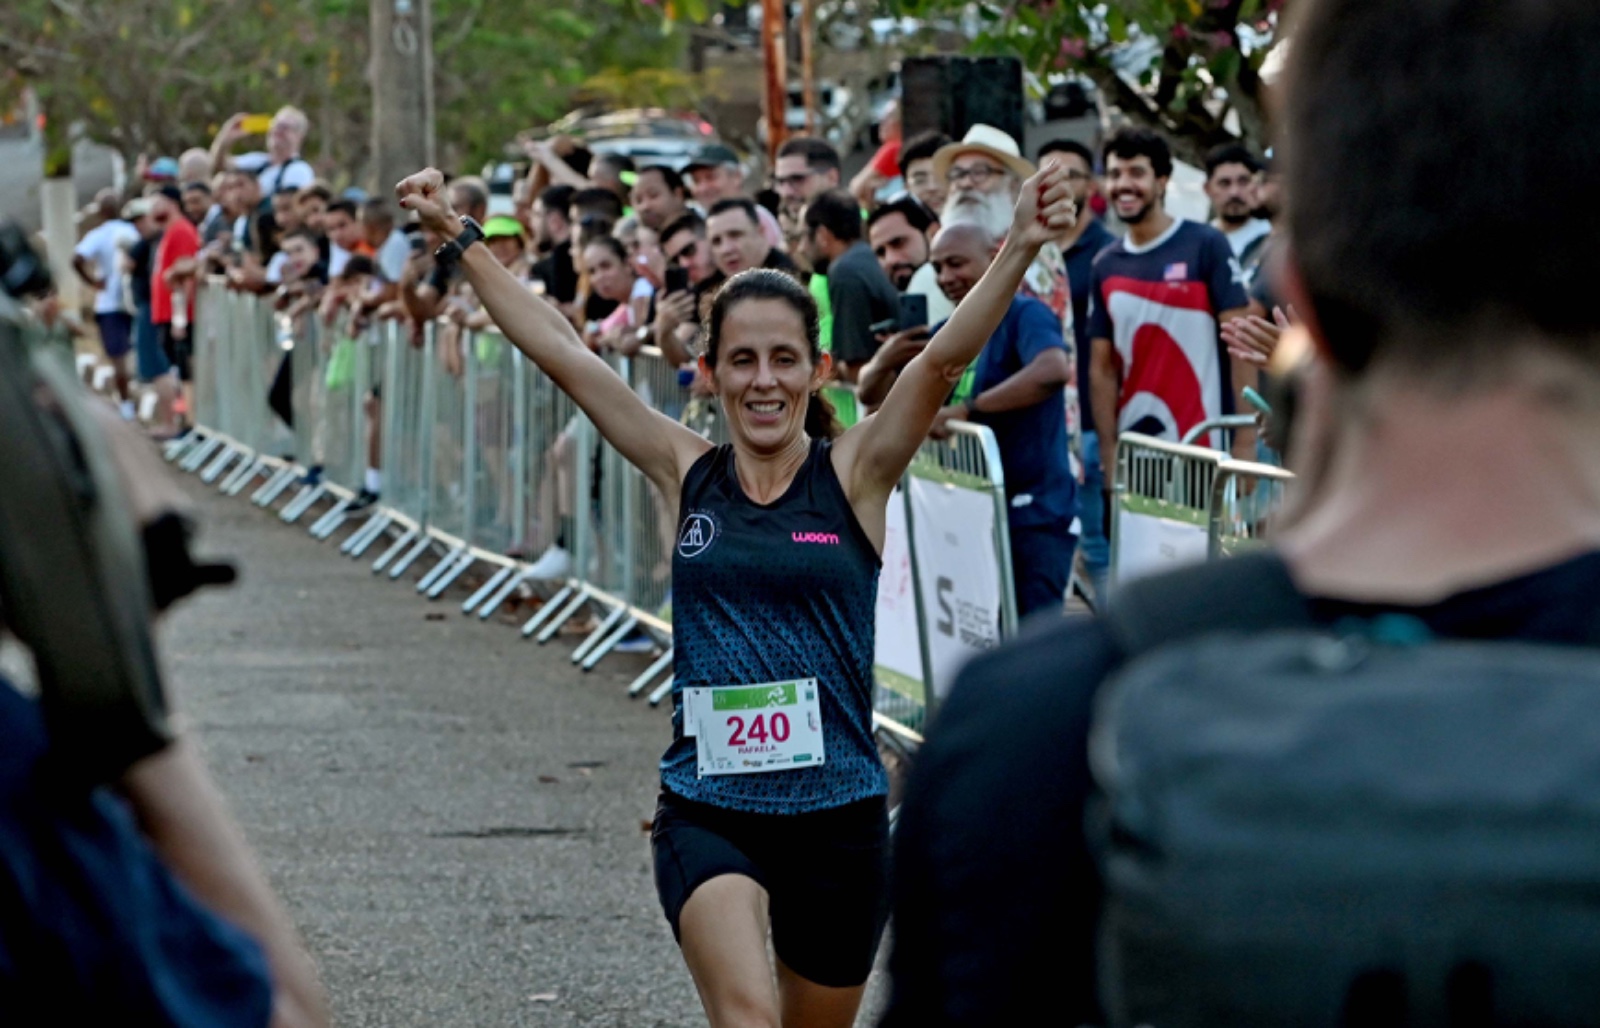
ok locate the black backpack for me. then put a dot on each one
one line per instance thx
(1352, 826)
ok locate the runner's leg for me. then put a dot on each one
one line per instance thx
(723, 930)
(809, 1005)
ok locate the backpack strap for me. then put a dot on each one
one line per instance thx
(1251, 593)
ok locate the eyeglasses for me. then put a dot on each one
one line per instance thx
(978, 173)
(684, 255)
(794, 181)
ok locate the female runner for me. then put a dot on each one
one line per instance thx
(772, 810)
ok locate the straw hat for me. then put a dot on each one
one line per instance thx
(989, 141)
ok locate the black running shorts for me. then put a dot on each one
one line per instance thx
(825, 873)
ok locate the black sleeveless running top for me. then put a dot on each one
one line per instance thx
(767, 594)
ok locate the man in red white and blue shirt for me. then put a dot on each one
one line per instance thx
(1158, 296)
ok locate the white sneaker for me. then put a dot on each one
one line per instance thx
(554, 563)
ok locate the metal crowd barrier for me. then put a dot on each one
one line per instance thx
(486, 464)
(1174, 503)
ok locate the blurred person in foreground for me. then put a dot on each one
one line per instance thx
(1419, 367)
(128, 894)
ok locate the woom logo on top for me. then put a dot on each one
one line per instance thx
(825, 538)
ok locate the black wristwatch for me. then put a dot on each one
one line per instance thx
(451, 251)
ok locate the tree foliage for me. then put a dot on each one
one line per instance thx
(1189, 68)
(157, 76)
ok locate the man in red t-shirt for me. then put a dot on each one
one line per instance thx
(174, 276)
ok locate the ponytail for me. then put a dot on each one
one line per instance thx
(822, 422)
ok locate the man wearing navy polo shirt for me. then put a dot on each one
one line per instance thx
(1015, 387)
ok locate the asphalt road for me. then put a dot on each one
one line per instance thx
(454, 815)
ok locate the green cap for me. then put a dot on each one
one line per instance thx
(501, 226)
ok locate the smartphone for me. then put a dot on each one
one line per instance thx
(913, 310)
(256, 124)
(677, 279)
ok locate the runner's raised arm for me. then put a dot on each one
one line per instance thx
(651, 441)
(880, 447)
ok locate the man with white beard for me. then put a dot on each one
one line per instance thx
(984, 173)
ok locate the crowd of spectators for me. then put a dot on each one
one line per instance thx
(631, 256)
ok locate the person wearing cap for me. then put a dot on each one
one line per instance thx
(280, 166)
(717, 174)
(507, 240)
(98, 261)
(159, 171)
(983, 173)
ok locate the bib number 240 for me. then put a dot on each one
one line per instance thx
(750, 729)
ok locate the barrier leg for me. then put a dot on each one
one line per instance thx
(548, 611)
(488, 587)
(358, 542)
(549, 631)
(601, 631)
(649, 674)
(629, 624)
(176, 448)
(466, 561)
(275, 486)
(492, 604)
(325, 525)
(662, 692)
(440, 568)
(200, 454)
(243, 476)
(424, 541)
(395, 549)
(300, 504)
(214, 470)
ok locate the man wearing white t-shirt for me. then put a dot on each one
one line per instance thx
(98, 261)
(1231, 173)
(278, 168)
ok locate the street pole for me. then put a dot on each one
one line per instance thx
(775, 56)
(808, 69)
(402, 90)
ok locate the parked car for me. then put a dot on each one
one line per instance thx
(649, 135)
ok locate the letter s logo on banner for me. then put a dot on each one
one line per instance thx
(697, 535)
(947, 621)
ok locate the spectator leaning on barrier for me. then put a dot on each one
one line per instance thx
(733, 232)
(98, 261)
(1231, 186)
(717, 174)
(1159, 296)
(659, 197)
(553, 238)
(345, 237)
(859, 293)
(1419, 366)
(677, 327)
(391, 248)
(1088, 238)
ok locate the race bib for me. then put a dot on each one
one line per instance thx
(750, 729)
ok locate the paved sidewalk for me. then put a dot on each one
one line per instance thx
(453, 814)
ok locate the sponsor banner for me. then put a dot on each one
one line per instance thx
(1147, 544)
(958, 572)
(899, 652)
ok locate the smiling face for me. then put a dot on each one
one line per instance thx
(654, 201)
(764, 374)
(1134, 187)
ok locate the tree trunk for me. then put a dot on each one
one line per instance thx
(402, 91)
